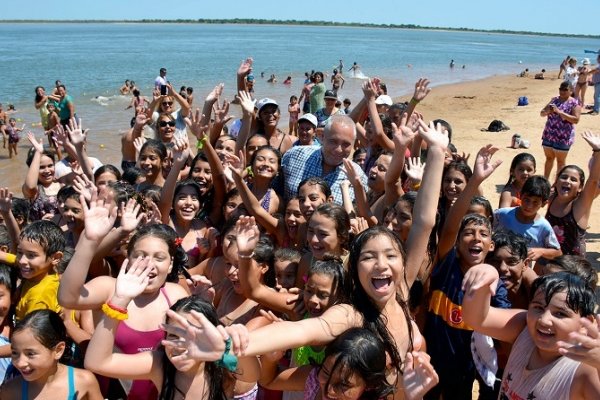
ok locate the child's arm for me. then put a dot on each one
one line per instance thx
(199, 128)
(102, 360)
(425, 206)
(289, 380)
(9, 219)
(78, 137)
(272, 225)
(582, 207)
(248, 111)
(359, 193)
(73, 292)
(479, 284)
(247, 235)
(505, 198)
(535, 253)
(403, 136)
(421, 91)
(30, 190)
(185, 106)
(181, 154)
(484, 167)
(370, 91)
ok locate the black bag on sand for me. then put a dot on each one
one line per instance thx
(497, 126)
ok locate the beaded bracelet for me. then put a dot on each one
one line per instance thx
(110, 311)
(228, 361)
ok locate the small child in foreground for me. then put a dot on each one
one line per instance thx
(560, 314)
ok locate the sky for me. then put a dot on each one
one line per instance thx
(519, 15)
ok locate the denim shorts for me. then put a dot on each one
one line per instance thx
(555, 145)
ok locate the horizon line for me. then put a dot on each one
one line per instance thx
(262, 21)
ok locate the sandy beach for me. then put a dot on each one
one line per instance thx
(469, 107)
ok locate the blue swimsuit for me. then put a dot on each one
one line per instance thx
(71, 396)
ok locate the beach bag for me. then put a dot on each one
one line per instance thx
(497, 126)
(523, 101)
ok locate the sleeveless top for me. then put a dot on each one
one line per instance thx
(570, 235)
(43, 204)
(71, 377)
(557, 129)
(552, 381)
(311, 387)
(132, 341)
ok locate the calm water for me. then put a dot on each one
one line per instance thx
(94, 60)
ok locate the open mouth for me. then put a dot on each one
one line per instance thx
(545, 333)
(381, 283)
(475, 251)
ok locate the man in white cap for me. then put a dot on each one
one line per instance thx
(325, 161)
(383, 103)
(307, 129)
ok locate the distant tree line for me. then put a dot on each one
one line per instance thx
(253, 21)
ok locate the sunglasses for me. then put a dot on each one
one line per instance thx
(163, 124)
(167, 103)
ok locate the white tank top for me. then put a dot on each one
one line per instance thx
(550, 382)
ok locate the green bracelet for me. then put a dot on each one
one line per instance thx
(228, 361)
(200, 143)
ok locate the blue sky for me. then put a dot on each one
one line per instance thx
(526, 15)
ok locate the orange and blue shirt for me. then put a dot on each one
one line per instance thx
(447, 335)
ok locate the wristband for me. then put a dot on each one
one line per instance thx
(416, 186)
(114, 312)
(414, 101)
(200, 143)
(10, 258)
(246, 256)
(227, 361)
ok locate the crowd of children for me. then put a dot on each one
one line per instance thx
(197, 271)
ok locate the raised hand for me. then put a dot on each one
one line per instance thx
(480, 276)
(351, 173)
(358, 224)
(435, 136)
(205, 244)
(5, 200)
(246, 102)
(245, 67)
(235, 164)
(153, 214)
(418, 375)
(197, 339)
(198, 124)
(76, 132)
(199, 285)
(422, 89)
(484, 166)
(369, 89)
(130, 215)
(221, 113)
(215, 94)
(99, 217)
(414, 169)
(140, 121)
(593, 139)
(247, 235)
(181, 150)
(132, 281)
(38, 146)
(84, 186)
(138, 142)
(584, 347)
(403, 135)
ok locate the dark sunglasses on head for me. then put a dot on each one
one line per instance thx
(162, 124)
(167, 103)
